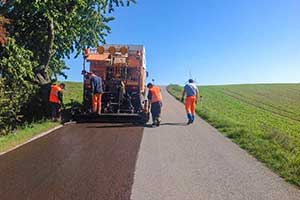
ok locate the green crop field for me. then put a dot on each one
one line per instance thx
(264, 119)
(73, 92)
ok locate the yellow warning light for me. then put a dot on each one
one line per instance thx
(112, 50)
(100, 49)
(123, 50)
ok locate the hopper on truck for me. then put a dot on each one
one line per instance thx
(123, 71)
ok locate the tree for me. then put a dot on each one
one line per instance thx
(15, 84)
(3, 32)
(53, 29)
(35, 37)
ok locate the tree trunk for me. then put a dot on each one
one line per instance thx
(42, 76)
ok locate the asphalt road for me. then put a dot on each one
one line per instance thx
(80, 161)
(122, 162)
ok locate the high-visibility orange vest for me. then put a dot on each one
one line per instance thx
(156, 94)
(54, 94)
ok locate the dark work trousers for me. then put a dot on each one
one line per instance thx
(55, 110)
(156, 110)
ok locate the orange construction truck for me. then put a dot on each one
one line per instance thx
(123, 71)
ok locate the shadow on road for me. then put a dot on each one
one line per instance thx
(173, 124)
(134, 125)
(116, 126)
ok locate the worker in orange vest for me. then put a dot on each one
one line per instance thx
(97, 91)
(191, 92)
(56, 101)
(155, 98)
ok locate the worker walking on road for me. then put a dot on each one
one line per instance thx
(97, 90)
(56, 101)
(191, 91)
(155, 97)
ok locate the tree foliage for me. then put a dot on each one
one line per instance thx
(53, 29)
(42, 33)
(3, 32)
(15, 83)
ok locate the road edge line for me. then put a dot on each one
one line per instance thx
(32, 139)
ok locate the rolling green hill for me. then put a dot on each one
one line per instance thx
(73, 92)
(264, 119)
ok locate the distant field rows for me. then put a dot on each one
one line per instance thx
(285, 105)
(263, 119)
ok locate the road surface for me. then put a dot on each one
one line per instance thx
(122, 162)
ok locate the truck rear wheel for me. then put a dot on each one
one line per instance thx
(144, 118)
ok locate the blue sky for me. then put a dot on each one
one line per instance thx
(216, 41)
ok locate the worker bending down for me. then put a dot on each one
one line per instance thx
(97, 91)
(56, 101)
(191, 91)
(155, 98)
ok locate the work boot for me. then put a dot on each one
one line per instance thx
(153, 124)
(189, 122)
(157, 122)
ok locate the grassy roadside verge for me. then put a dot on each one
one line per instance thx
(262, 119)
(24, 134)
(72, 93)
